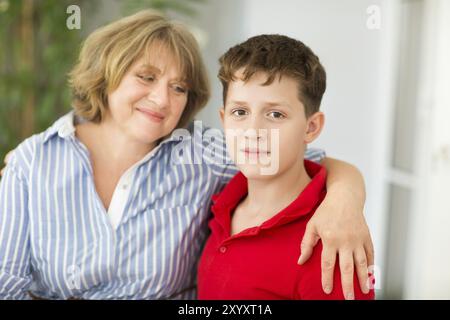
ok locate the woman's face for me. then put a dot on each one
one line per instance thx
(150, 99)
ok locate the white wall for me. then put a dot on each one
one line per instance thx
(428, 275)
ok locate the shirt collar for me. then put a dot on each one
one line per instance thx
(64, 127)
(305, 203)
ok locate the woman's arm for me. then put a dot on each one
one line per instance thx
(15, 277)
(339, 222)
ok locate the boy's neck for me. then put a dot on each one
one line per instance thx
(267, 197)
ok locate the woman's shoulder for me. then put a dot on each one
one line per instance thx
(198, 132)
(22, 157)
(210, 140)
(204, 140)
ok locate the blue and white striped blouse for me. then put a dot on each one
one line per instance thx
(57, 241)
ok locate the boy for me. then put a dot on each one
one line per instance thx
(272, 89)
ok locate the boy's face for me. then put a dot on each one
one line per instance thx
(266, 127)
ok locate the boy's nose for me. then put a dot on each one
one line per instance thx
(255, 135)
(255, 123)
(256, 128)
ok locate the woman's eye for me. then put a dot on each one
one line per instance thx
(147, 78)
(276, 115)
(239, 112)
(180, 89)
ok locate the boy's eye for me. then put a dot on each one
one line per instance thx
(276, 115)
(239, 112)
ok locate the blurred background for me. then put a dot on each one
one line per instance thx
(387, 102)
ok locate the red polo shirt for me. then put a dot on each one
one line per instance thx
(261, 262)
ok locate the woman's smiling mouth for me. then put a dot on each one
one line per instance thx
(152, 115)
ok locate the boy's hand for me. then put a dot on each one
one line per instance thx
(339, 222)
(7, 157)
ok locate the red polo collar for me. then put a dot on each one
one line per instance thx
(228, 199)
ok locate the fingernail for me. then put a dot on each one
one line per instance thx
(327, 290)
(299, 259)
(350, 296)
(366, 289)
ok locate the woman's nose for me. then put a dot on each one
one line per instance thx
(159, 94)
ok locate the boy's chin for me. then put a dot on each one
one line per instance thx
(257, 172)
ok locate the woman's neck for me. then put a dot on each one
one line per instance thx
(107, 143)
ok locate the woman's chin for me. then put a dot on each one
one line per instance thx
(149, 131)
(147, 136)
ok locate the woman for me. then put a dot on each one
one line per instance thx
(95, 207)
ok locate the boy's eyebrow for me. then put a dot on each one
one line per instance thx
(275, 104)
(266, 104)
(236, 102)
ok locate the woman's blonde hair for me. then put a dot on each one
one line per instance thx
(108, 53)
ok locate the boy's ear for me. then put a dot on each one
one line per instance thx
(222, 115)
(314, 125)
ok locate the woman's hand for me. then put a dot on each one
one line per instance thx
(339, 222)
(7, 157)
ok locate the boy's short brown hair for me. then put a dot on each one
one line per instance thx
(277, 56)
(108, 53)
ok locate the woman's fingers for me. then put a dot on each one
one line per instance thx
(309, 241)
(362, 270)
(8, 156)
(346, 264)
(6, 160)
(328, 261)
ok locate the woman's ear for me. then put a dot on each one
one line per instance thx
(314, 125)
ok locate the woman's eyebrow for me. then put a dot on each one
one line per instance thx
(149, 67)
(156, 70)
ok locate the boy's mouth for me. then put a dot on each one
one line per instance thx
(249, 151)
